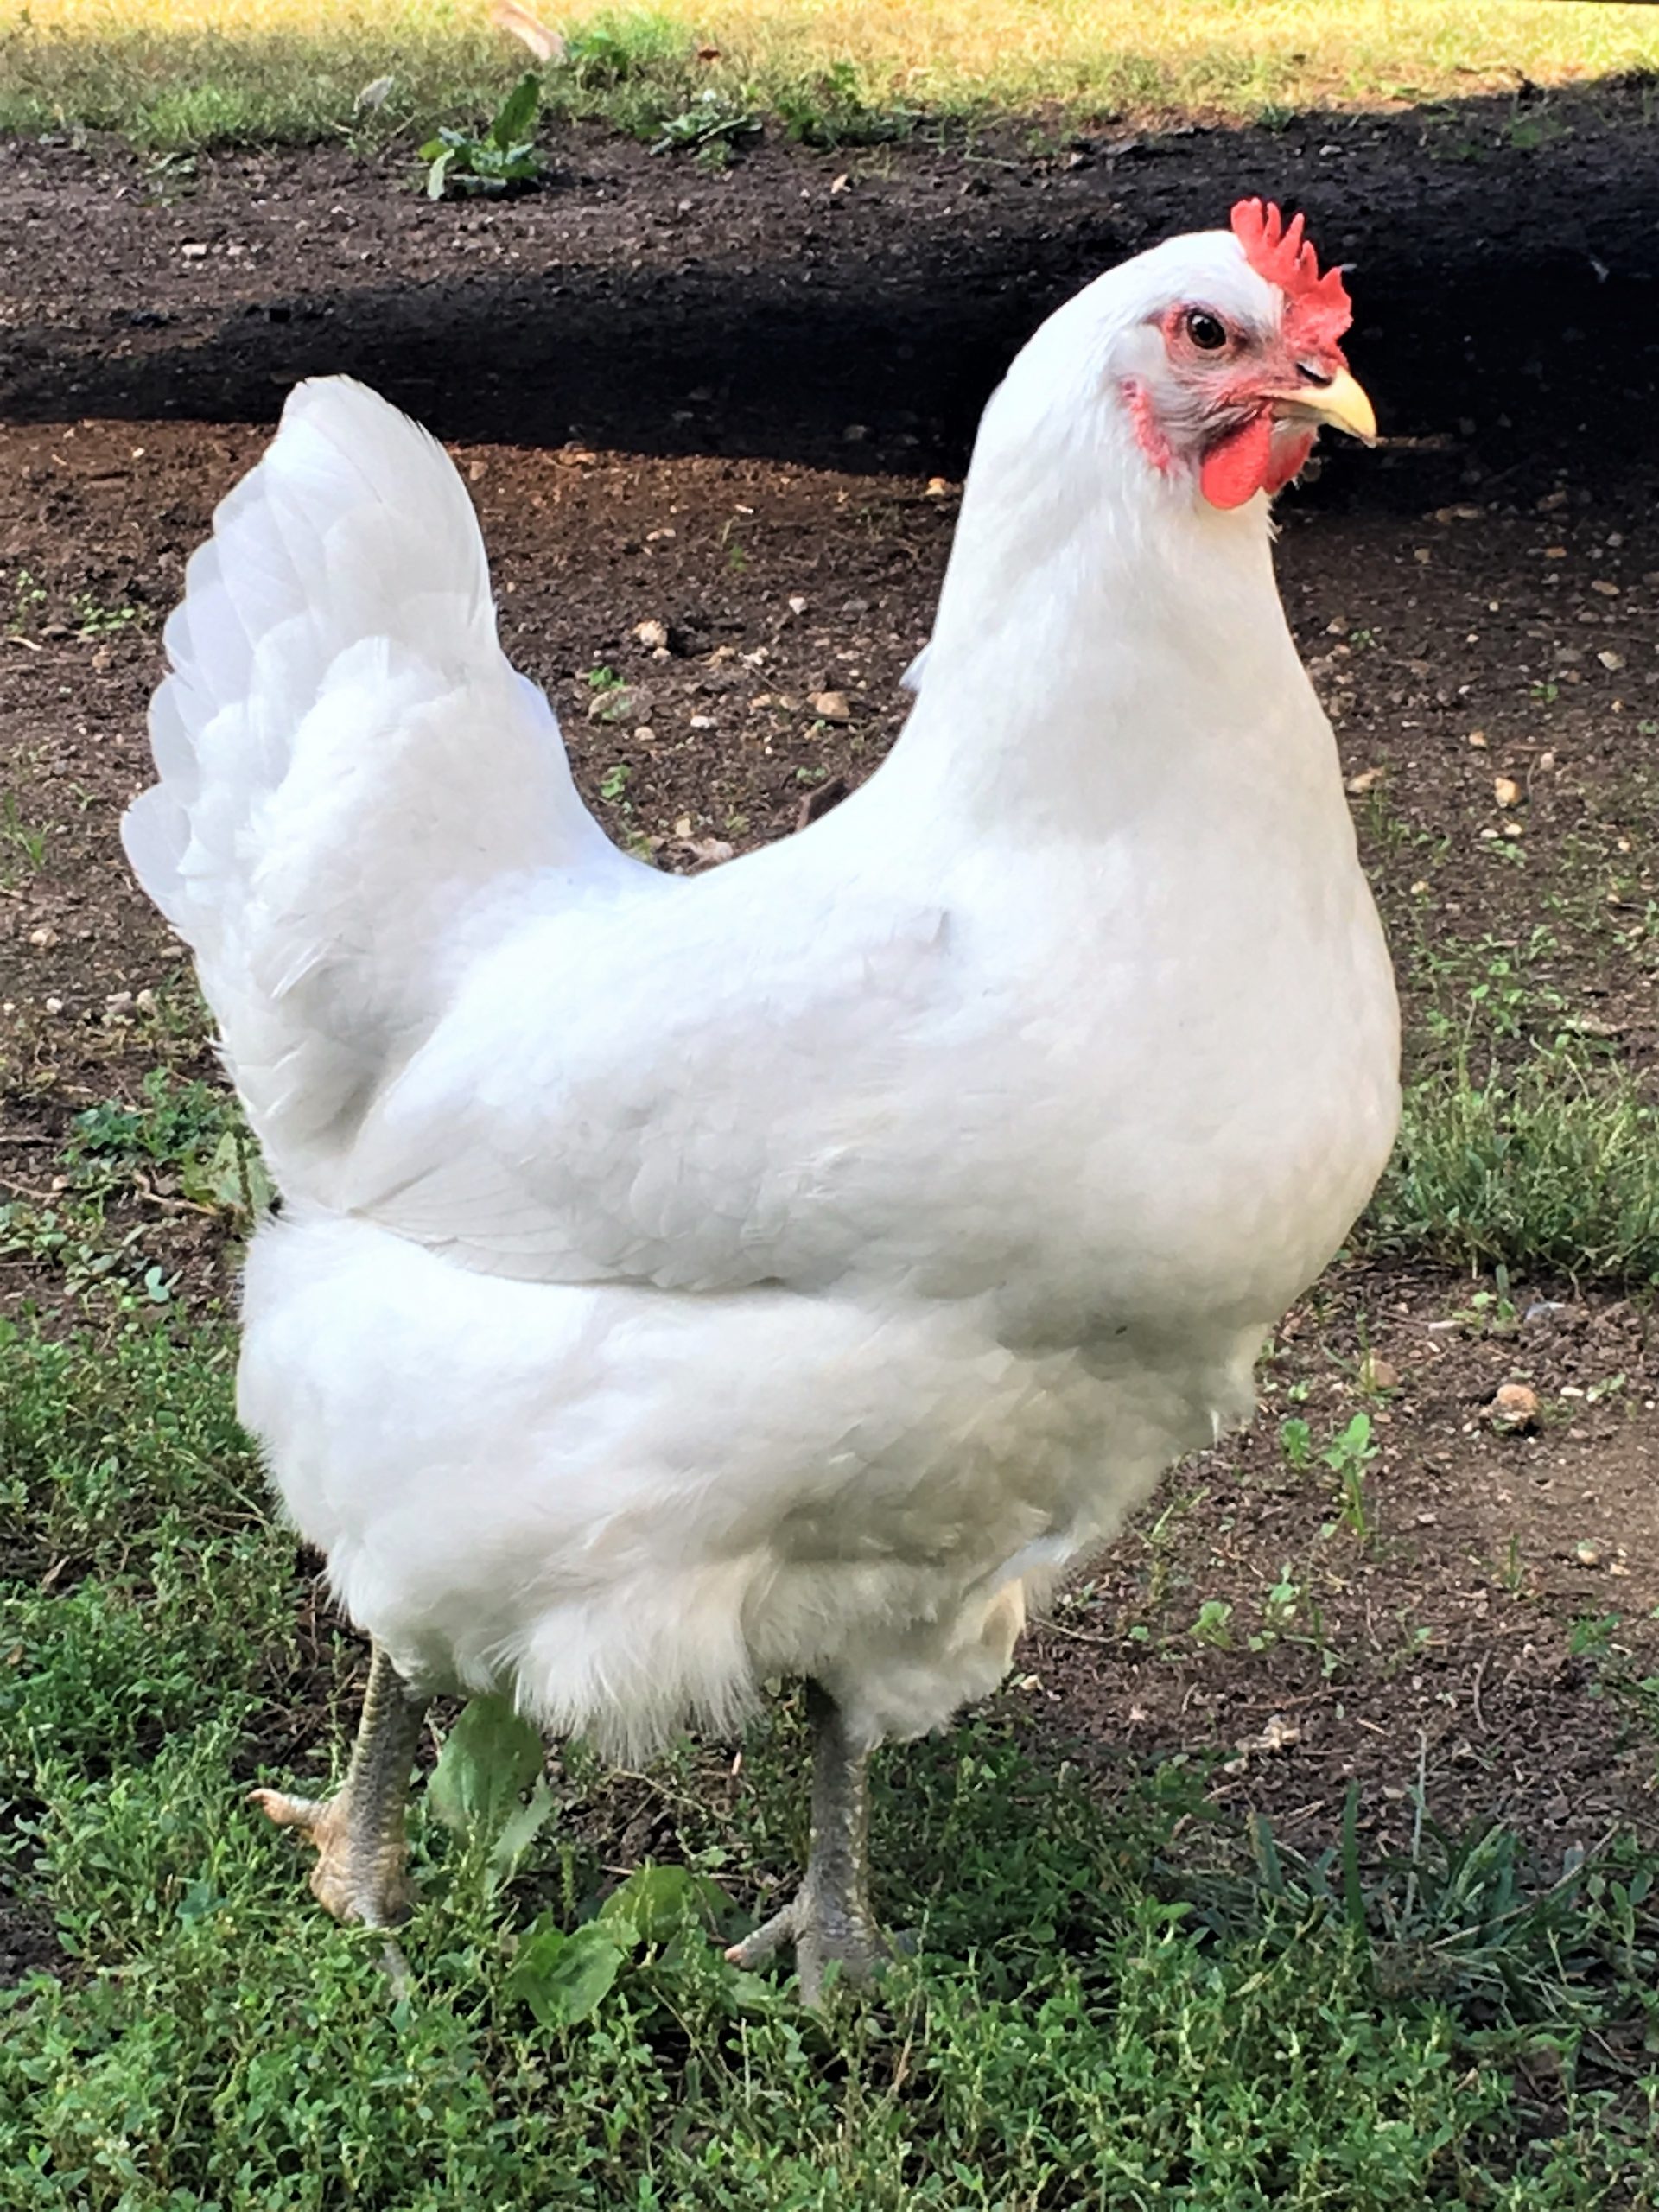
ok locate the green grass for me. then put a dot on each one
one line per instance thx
(1525, 1143)
(178, 74)
(1093, 2019)
(1549, 1167)
(1118, 1999)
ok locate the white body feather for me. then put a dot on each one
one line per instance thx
(785, 1270)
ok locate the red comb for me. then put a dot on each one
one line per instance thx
(1317, 308)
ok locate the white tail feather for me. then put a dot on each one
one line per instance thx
(350, 770)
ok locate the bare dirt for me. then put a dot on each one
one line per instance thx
(739, 407)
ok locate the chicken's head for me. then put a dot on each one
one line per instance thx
(1234, 360)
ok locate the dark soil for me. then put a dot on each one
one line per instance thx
(739, 406)
(27, 1944)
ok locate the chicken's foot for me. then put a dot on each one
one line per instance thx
(830, 1916)
(359, 1832)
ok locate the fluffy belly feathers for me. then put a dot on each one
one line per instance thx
(628, 1507)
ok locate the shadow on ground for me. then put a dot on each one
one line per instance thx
(848, 310)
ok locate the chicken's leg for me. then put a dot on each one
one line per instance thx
(359, 1832)
(830, 1916)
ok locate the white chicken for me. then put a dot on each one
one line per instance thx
(788, 1270)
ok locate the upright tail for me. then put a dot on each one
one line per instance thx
(356, 789)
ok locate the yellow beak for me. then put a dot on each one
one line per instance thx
(1341, 403)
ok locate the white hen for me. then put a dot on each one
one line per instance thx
(788, 1270)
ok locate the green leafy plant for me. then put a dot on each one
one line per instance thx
(487, 1788)
(96, 619)
(1463, 1918)
(830, 110)
(1212, 1626)
(620, 49)
(193, 1129)
(24, 837)
(1348, 1456)
(28, 598)
(712, 120)
(1296, 1440)
(1552, 1163)
(564, 1974)
(460, 161)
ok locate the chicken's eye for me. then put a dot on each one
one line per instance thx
(1208, 331)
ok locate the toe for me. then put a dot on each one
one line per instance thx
(289, 1812)
(771, 1936)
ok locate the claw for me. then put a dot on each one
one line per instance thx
(820, 1937)
(358, 1833)
(287, 1812)
(356, 1878)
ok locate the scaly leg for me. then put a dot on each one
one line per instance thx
(359, 1832)
(830, 1916)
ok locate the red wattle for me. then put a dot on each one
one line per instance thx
(1239, 467)
(1292, 459)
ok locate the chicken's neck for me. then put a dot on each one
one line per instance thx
(1094, 653)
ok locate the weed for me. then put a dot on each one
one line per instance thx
(95, 618)
(831, 109)
(194, 1128)
(1552, 1166)
(615, 50)
(1534, 128)
(1159, 1543)
(1513, 1576)
(1348, 1456)
(24, 838)
(1283, 1604)
(712, 120)
(1458, 1920)
(459, 162)
(1592, 1638)
(1491, 1312)
(1488, 989)
(1212, 1627)
(170, 178)
(72, 1243)
(27, 599)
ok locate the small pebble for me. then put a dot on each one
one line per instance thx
(1513, 1408)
